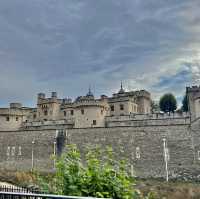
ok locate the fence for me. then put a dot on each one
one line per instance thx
(27, 193)
(14, 189)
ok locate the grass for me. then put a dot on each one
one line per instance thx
(170, 190)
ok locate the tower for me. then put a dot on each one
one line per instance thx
(193, 96)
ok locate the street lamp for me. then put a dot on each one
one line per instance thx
(166, 158)
(54, 153)
(32, 155)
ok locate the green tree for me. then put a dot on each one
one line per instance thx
(168, 103)
(100, 175)
(185, 107)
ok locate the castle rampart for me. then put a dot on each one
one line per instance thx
(30, 136)
(142, 146)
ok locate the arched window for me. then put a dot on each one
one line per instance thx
(64, 113)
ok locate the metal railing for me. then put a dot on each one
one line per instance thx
(14, 189)
(13, 195)
(31, 193)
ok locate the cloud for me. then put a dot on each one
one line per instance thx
(67, 45)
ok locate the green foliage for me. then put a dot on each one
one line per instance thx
(185, 107)
(168, 103)
(99, 176)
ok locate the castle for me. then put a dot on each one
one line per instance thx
(155, 144)
(84, 112)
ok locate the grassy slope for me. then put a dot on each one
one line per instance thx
(170, 190)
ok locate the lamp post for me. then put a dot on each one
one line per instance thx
(54, 153)
(166, 157)
(32, 155)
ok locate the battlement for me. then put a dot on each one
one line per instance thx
(67, 101)
(193, 89)
(43, 100)
(88, 103)
(153, 116)
(15, 105)
(139, 93)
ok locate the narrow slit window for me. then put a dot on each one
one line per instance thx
(198, 155)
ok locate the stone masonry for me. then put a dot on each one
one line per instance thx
(138, 137)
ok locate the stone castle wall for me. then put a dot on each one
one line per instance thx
(142, 146)
(16, 150)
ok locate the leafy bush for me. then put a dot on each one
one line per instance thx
(99, 176)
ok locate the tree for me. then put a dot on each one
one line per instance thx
(185, 106)
(100, 175)
(168, 103)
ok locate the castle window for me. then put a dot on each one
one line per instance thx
(34, 116)
(112, 108)
(137, 153)
(82, 111)
(64, 113)
(20, 150)
(45, 112)
(121, 107)
(101, 112)
(72, 112)
(198, 155)
(94, 122)
(13, 151)
(8, 151)
(7, 119)
(17, 118)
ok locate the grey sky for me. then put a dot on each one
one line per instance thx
(66, 45)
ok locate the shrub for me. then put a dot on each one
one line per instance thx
(99, 175)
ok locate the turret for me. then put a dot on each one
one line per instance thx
(193, 96)
(40, 98)
(15, 105)
(41, 95)
(54, 95)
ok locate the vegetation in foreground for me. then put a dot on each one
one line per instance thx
(160, 188)
(100, 176)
